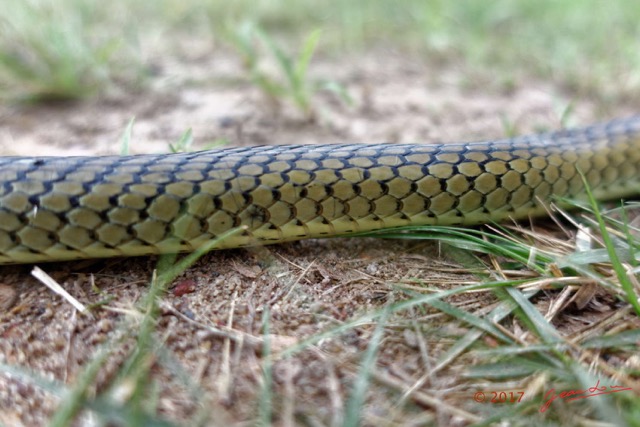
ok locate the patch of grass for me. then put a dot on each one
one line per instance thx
(128, 399)
(185, 143)
(289, 79)
(131, 397)
(58, 50)
(543, 359)
(513, 346)
(623, 274)
(515, 363)
(77, 48)
(584, 47)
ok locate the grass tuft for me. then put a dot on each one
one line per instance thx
(51, 51)
(289, 79)
(357, 398)
(621, 272)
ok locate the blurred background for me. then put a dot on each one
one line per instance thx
(77, 75)
(243, 71)
(71, 48)
(89, 77)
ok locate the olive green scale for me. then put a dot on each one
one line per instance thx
(63, 208)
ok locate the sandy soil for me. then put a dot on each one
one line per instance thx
(308, 286)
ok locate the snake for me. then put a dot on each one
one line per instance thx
(68, 208)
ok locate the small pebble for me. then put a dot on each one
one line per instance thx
(8, 297)
(184, 287)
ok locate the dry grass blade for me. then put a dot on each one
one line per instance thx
(48, 281)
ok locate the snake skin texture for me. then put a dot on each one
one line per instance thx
(54, 209)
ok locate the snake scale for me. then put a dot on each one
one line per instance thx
(64, 208)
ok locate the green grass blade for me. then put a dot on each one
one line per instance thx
(544, 329)
(473, 320)
(125, 141)
(74, 402)
(283, 60)
(169, 271)
(184, 143)
(500, 312)
(265, 409)
(308, 50)
(353, 410)
(621, 272)
(469, 239)
(394, 308)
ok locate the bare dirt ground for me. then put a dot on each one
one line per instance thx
(308, 286)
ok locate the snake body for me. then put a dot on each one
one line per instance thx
(63, 208)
